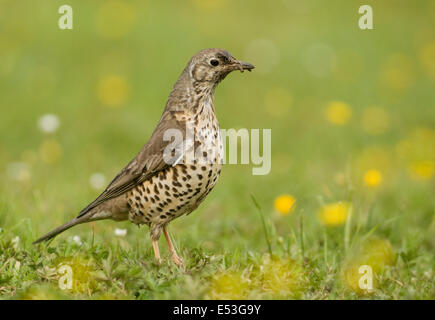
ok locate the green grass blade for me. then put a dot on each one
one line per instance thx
(263, 221)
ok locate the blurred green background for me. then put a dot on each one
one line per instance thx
(352, 115)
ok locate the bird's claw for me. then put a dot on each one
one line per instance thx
(177, 260)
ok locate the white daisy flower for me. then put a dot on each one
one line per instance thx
(77, 239)
(120, 232)
(48, 123)
(97, 181)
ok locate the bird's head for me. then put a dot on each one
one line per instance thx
(203, 73)
(210, 66)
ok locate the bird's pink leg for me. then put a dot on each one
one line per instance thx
(177, 260)
(156, 251)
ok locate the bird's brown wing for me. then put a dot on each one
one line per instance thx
(147, 163)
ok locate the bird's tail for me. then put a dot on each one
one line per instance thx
(61, 229)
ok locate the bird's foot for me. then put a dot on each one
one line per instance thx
(177, 260)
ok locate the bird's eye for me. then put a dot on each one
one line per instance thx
(214, 62)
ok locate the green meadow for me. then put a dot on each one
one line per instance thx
(346, 211)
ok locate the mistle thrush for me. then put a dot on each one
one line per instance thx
(162, 182)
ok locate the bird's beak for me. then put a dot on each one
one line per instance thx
(241, 65)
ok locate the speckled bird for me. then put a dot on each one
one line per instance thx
(162, 183)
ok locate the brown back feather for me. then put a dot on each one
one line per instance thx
(147, 163)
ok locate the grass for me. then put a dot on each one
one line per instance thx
(107, 81)
(124, 268)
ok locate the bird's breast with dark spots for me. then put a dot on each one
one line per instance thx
(176, 191)
(181, 188)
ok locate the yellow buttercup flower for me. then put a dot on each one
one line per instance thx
(422, 170)
(113, 90)
(229, 286)
(270, 278)
(285, 204)
(82, 272)
(372, 178)
(334, 214)
(373, 256)
(338, 113)
(378, 253)
(279, 277)
(379, 158)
